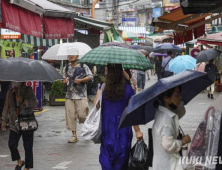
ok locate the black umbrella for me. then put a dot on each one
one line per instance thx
(207, 55)
(141, 110)
(162, 48)
(23, 69)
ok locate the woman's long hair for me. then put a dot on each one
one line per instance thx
(115, 83)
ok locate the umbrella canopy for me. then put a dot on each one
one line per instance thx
(130, 36)
(144, 52)
(61, 51)
(131, 59)
(135, 47)
(159, 54)
(149, 49)
(117, 44)
(207, 55)
(23, 69)
(140, 109)
(162, 48)
(181, 63)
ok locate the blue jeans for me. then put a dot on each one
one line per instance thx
(141, 80)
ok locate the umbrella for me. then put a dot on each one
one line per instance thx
(144, 52)
(61, 51)
(131, 59)
(162, 48)
(23, 69)
(207, 55)
(118, 44)
(135, 47)
(152, 55)
(140, 109)
(130, 36)
(159, 54)
(149, 49)
(181, 63)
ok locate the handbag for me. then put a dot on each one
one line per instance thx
(26, 122)
(163, 68)
(92, 127)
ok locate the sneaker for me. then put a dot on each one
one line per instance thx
(139, 89)
(73, 139)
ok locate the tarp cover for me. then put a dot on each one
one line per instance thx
(58, 28)
(20, 20)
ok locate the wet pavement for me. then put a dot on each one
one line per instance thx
(51, 147)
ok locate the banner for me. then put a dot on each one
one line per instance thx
(10, 49)
(20, 20)
(58, 28)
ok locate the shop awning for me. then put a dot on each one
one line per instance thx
(37, 42)
(27, 16)
(139, 30)
(44, 7)
(84, 23)
(214, 39)
(176, 20)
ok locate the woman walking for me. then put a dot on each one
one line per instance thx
(26, 100)
(115, 143)
(166, 144)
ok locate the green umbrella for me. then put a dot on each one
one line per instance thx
(131, 59)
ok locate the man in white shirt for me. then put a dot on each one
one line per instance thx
(165, 64)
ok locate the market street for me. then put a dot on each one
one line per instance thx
(51, 147)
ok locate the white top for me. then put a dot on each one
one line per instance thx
(165, 144)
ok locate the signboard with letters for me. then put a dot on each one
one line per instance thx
(10, 49)
(128, 19)
(9, 34)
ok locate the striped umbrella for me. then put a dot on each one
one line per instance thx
(117, 44)
(130, 36)
(131, 59)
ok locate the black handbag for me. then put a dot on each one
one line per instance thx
(27, 122)
(163, 69)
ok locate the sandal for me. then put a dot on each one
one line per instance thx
(20, 167)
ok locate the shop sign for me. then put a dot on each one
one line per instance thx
(37, 88)
(156, 12)
(9, 34)
(128, 19)
(156, 4)
(171, 3)
(10, 49)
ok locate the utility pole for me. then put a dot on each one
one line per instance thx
(115, 12)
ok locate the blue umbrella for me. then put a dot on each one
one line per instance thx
(140, 109)
(181, 63)
(162, 48)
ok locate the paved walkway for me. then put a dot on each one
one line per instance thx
(51, 150)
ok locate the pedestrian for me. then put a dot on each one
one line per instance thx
(147, 71)
(165, 64)
(76, 104)
(127, 74)
(165, 132)
(115, 143)
(200, 67)
(211, 70)
(141, 80)
(26, 100)
(92, 87)
(4, 87)
(158, 66)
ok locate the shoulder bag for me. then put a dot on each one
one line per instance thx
(163, 68)
(92, 127)
(27, 122)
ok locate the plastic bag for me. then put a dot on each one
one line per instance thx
(139, 156)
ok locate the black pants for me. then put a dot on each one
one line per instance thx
(2, 102)
(13, 142)
(167, 74)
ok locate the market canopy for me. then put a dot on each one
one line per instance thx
(183, 25)
(25, 17)
(84, 23)
(214, 39)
